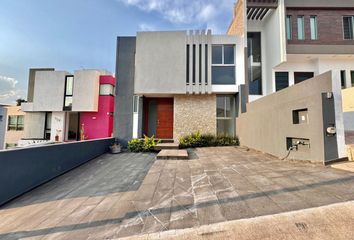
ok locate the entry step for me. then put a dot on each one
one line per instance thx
(173, 154)
(162, 146)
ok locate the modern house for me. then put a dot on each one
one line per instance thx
(67, 107)
(14, 120)
(289, 41)
(175, 83)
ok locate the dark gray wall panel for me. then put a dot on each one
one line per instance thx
(125, 68)
(24, 169)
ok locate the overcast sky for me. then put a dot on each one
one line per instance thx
(76, 34)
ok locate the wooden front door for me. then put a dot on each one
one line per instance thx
(159, 117)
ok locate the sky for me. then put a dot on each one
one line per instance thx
(81, 34)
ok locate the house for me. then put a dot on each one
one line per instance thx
(14, 120)
(68, 107)
(289, 41)
(174, 83)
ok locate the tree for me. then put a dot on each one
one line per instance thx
(20, 101)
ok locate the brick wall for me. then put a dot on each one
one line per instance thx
(329, 25)
(237, 25)
(194, 113)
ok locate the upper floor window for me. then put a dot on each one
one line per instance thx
(348, 27)
(106, 90)
(302, 76)
(289, 29)
(68, 93)
(300, 28)
(313, 27)
(342, 79)
(16, 123)
(281, 80)
(223, 64)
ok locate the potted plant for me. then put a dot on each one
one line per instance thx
(115, 148)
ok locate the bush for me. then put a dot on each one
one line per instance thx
(207, 140)
(142, 145)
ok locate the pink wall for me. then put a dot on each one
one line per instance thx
(100, 124)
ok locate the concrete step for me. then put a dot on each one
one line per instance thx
(162, 146)
(168, 154)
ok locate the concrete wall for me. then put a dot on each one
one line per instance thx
(31, 81)
(194, 113)
(58, 126)
(35, 122)
(3, 116)
(49, 91)
(123, 107)
(24, 169)
(269, 121)
(160, 63)
(86, 91)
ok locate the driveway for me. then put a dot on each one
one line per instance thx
(123, 195)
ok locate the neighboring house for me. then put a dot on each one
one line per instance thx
(15, 126)
(289, 41)
(67, 107)
(3, 114)
(175, 83)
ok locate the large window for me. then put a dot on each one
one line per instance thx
(68, 94)
(16, 123)
(281, 80)
(302, 76)
(289, 28)
(300, 28)
(348, 27)
(223, 64)
(225, 115)
(313, 27)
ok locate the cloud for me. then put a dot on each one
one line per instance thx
(198, 12)
(8, 91)
(146, 27)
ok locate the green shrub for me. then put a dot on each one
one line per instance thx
(142, 145)
(207, 140)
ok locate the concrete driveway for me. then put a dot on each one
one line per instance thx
(130, 194)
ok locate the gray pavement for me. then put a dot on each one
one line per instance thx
(113, 197)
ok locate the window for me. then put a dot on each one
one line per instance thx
(302, 76)
(300, 116)
(281, 80)
(352, 77)
(300, 28)
(106, 90)
(136, 104)
(16, 123)
(348, 27)
(206, 64)
(194, 61)
(342, 79)
(313, 27)
(223, 64)
(48, 125)
(289, 29)
(1, 118)
(255, 66)
(68, 94)
(225, 115)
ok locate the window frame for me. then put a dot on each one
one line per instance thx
(302, 17)
(17, 126)
(313, 28)
(68, 108)
(223, 64)
(289, 27)
(352, 18)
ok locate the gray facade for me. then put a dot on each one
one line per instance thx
(3, 116)
(31, 81)
(123, 107)
(302, 113)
